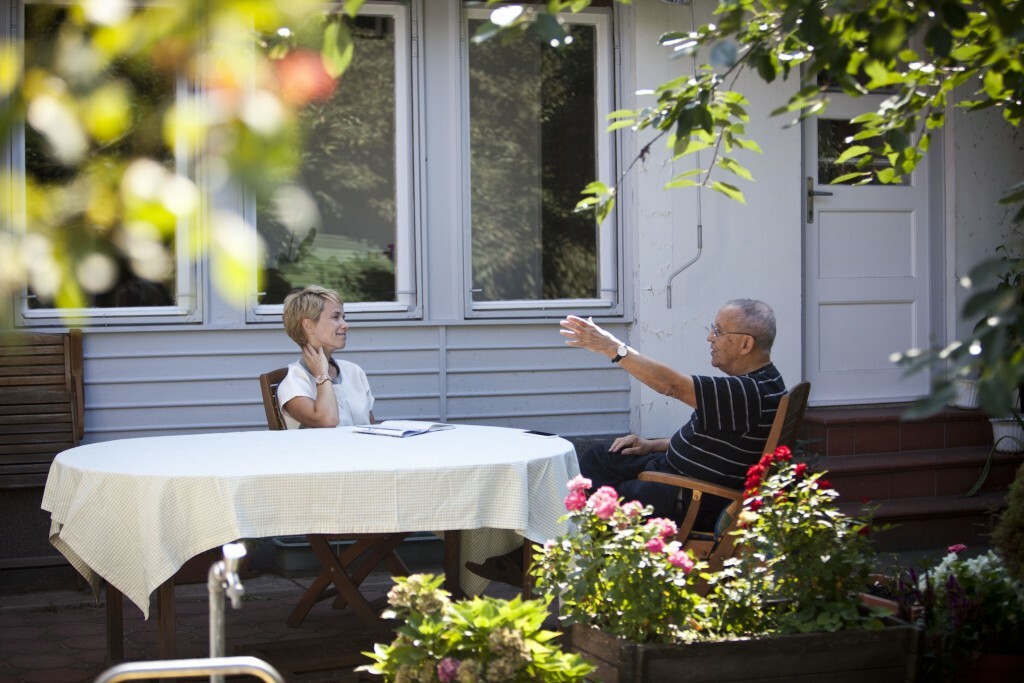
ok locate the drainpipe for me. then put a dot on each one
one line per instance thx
(700, 206)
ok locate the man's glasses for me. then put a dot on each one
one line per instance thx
(718, 332)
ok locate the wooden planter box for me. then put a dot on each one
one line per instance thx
(882, 656)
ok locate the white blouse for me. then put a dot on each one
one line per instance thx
(351, 389)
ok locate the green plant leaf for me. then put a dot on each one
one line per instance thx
(338, 48)
(730, 191)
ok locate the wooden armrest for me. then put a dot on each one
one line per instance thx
(680, 481)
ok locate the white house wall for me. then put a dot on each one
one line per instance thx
(987, 160)
(748, 251)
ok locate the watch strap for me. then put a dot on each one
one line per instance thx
(621, 353)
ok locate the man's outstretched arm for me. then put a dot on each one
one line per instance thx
(658, 376)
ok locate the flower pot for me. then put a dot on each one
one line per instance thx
(889, 654)
(1007, 435)
(966, 393)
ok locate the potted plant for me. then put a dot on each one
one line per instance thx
(973, 619)
(965, 388)
(468, 641)
(633, 601)
(894, 593)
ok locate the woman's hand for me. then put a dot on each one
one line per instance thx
(315, 359)
(631, 444)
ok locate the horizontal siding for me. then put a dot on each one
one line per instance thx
(147, 383)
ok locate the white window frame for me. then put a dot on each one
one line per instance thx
(609, 300)
(188, 271)
(407, 285)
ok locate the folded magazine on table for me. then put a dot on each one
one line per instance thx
(402, 428)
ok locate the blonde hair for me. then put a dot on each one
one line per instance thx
(305, 304)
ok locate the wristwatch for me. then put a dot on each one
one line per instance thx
(620, 353)
(320, 379)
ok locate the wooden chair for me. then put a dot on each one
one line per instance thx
(342, 572)
(717, 546)
(41, 410)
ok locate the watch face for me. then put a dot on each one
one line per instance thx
(622, 350)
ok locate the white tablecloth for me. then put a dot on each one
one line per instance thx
(134, 511)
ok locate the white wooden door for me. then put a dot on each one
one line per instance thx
(866, 276)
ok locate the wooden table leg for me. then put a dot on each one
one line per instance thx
(115, 624)
(453, 563)
(166, 647)
(342, 581)
(529, 548)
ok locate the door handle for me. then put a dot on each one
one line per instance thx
(811, 194)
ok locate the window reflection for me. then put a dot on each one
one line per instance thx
(348, 167)
(533, 132)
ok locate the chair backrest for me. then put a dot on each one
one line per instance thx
(788, 418)
(268, 386)
(46, 361)
(41, 407)
(35, 425)
(785, 428)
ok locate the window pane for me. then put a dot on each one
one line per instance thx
(133, 265)
(533, 148)
(348, 167)
(832, 136)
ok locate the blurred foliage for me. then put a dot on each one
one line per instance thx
(112, 161)
(994, 355)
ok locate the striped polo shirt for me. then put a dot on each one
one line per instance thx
(727, 432)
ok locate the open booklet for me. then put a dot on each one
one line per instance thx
(402, 427)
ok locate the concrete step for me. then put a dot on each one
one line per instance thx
(930, 522)
(859, 430)
(917, 474)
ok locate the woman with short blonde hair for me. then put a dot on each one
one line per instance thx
(319, 390)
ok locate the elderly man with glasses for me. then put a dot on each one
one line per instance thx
(724, 436)
(732, 415)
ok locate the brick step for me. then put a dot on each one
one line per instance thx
(932, 522)
(917, 474)
(857, 430)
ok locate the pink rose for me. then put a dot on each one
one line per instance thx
(656, 545)
(666, 528)
(579, 483)
(681, 560)
(633, 508)
(604, 501)
(576, 500)
(957, 548)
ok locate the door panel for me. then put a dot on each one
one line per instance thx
(866, 272)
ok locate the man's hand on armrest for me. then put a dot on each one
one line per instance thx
(631, 444)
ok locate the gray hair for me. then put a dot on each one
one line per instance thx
(758, 321)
